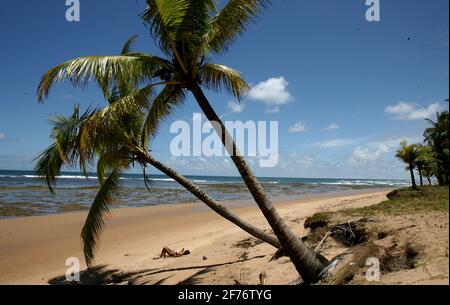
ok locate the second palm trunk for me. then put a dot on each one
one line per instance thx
(308, 263)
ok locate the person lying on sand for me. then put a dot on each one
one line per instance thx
(166, 251)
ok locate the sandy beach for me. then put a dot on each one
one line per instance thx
(33, 250)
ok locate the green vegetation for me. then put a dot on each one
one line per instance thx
(317, 220)
(407, 201)
(437, 138)
(402, 202)
(432, 159)
(408, 154)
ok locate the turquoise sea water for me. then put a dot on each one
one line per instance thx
(21, 194)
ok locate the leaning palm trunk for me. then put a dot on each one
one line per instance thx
(413, 180)
(210, 202)
(420, 175)
(307, 262)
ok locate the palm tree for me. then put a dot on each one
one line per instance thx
(408, 154)
(66, 134)
(423, 162)
(420, 161)
(189, 33)
(112, 135)
(437, 137)
(428, 171)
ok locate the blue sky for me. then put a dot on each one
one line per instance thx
(344, 91)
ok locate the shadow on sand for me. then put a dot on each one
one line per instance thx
(102, 275)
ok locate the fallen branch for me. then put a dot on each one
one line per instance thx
(317, 248)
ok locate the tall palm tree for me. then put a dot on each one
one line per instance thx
(424, 158)
(424, 162)
(408, 154)
(437, 138)
(111, 134)
(189, 33)
(420, 161)
(428, 171)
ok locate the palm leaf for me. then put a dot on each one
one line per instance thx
(121, 69)
(97, 215)
(163, 18)
(162, 106)
(110, 160)
(192, 29)
(108, 116)
(220, 77)
(231, 22)
(65, 149)
(48, 166)
(126, 49)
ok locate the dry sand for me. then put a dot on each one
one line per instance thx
(33, 250)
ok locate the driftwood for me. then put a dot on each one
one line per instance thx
(317, 248)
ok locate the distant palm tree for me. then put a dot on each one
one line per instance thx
(189, 32)
(408, 154)
(112, 135)
(437, 138)
(428, 171)
(423, 154)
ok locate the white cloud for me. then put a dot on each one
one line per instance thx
(332, 126)
(375, 150)
(334, 143)
(292, 163)
(273, 92)
(2, 136)
(236, 107)
(410, 111)
(364, 154)
(298, 127)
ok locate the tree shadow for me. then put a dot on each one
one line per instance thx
(196, 278)
(101, 275)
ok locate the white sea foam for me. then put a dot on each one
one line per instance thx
(162, 179)
(63, 177)
(366, 183)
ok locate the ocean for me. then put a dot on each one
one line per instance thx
(22, 194)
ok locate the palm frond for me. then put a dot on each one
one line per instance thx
(103, 69)
(86, 149)
(163, 18)
(220, 77)
(231, 22)
(97, 215)
(162, 106)
(126, 49)
(108, 116)
(195, 24)
(64, 150)
(48, 166)
(407, 153)
(110, 160)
